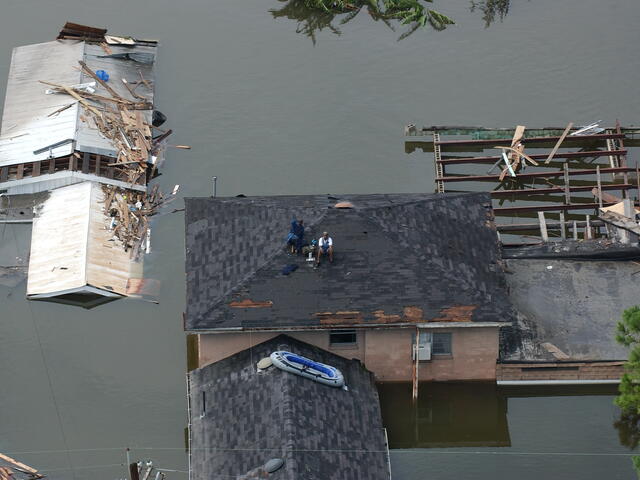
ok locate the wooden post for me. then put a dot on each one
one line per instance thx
(414, 392)
(599, 186)
(563, 233)
(575, 230)
(629, 212)
(543, 227)
(587, 232)
(567, 192)
(559, 142)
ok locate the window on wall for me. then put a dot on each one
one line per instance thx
(342, 338)
(441, 344)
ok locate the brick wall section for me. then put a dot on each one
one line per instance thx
(583, 371)
(386, 352)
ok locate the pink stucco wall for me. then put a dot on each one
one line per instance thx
(387, 353)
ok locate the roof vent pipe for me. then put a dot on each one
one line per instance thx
(273, 465)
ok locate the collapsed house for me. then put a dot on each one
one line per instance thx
(576, 183)
(249, 422)
(565, 209)
(80, 110)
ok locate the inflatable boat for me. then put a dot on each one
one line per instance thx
(290, 362)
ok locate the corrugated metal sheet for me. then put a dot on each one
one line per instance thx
(25, 123)
(71, 247)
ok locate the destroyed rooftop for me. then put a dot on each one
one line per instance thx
(69, 134)
(320, 432)
(399, 259)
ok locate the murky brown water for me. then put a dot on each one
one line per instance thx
(270, 113)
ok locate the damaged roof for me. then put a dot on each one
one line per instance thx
(32, 120)
(240, 419)
(398, 259)
(568, 309)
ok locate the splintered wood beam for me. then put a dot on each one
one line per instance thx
(93, 75)
(543, 227)
(535, 156)
(559, 142)
(507, 141)
(472, 178)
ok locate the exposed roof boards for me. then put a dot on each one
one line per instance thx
(73, 254)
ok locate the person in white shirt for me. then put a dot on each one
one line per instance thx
(325, 247)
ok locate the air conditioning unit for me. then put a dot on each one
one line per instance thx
(424, 351)
(424, 347)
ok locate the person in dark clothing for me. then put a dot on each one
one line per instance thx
(296, 235)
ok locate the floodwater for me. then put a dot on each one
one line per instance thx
(270, 112)
(482, 431)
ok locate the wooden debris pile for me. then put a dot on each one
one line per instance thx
(120, 120)
(129, 213)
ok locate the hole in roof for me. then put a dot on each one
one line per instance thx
(343, 205)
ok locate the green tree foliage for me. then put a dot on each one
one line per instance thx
(628, 334)
(316, 15)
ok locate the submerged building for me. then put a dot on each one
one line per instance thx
(415, 283)
(247, 422)
(77, 129)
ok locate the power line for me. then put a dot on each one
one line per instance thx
(421, 451)
(53, 395)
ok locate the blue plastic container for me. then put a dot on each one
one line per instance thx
(102, 75)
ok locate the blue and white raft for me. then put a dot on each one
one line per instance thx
(299, 365)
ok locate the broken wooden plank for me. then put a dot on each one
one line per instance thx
(515, 141)
(93, 75)
(606, 197)
(543, 227)
(519, 152)
(559, 142)
(61, 109)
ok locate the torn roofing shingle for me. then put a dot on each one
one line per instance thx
(397, 257)
(240, 419)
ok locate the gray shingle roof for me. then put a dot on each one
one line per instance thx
(398, 259)
(321, 432)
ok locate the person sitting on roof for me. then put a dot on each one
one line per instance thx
(325, 247)
(296, 235)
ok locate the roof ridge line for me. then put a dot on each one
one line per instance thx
(249, 276)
